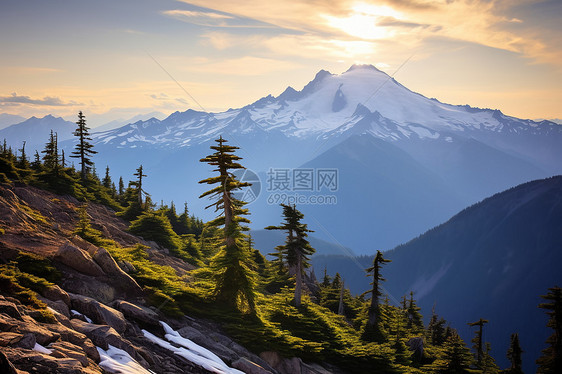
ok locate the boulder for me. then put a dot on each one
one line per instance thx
(55, 293)
(137, 313)
(84, 244)
(110, 267)
(27, 341)
(69, 350)
(98, 312)
(249, 367)
(77, 259)
(77, 338)
(9, 338)
(103, 336)
(10, 309)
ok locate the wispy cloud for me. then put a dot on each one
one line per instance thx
(214, 19)
(407, 22)
(15, 99)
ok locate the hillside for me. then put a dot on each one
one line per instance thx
(493, 260)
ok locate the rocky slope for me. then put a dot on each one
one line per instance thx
(96, 305)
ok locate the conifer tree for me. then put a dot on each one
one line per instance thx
(83, 149)
(436, 329)
(477, 340)
(514, 355)
(121, 190)
(138, 185)
(106, 181)
(234, 278)
(23, 162)
(373, 331)
(297, 249)
(36, 163)
(340, 304)
(51, 151)
(456, 358)
(415, 320)
(551, 358)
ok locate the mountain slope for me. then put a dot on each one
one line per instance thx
(35, 131)
(493, 260)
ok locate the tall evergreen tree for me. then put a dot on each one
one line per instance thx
(477, 340)
(83, 149)
(232, 265)
(51, 151)
(514, 355)
(415, 320)
(121, 187)
(106, 181)
(373, 331)
(551, 358)
(138, 185)
(297, 249)
(23, 162)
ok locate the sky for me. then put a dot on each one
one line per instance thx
(114, 59)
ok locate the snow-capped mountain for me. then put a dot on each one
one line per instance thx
(330, 105)
(405, 162)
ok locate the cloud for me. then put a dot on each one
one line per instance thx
(213, 19)
(15, 99)
(405, 22)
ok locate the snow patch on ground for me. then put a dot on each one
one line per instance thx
(77, 313)
(191, 351)
(39, 348)
(116, 360)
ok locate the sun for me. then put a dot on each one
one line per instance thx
(364, 21)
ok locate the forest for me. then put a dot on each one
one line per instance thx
(272, 301)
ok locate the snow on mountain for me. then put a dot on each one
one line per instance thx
(363, 99)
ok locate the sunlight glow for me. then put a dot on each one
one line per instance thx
(362, 22)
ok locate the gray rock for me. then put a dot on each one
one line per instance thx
(69, 350)
(77, 259)
(137, 313)
(27, 341)
(249, 367)
(10, 309)
(56, 293)
(110, 267)
(98, 312)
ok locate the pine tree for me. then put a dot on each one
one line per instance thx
(36, 163)
(456, 357)
(436, 329)
(551, 358)
(514, 355)
(477, 340)
(415, 320)
(51, 151)
(83, 149)
(235, 280)
(23, 162)
(297, 249)
(106, 182)
(138, 185)
(121, 190)
(372, 330)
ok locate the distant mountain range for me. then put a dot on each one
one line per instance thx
(9, 119)
(404, 162)
(493, 260)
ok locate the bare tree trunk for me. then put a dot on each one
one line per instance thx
(298, 285)
(340, 306)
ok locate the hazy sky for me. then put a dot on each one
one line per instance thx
(115, 59)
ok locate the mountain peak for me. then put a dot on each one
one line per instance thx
(362, 67)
